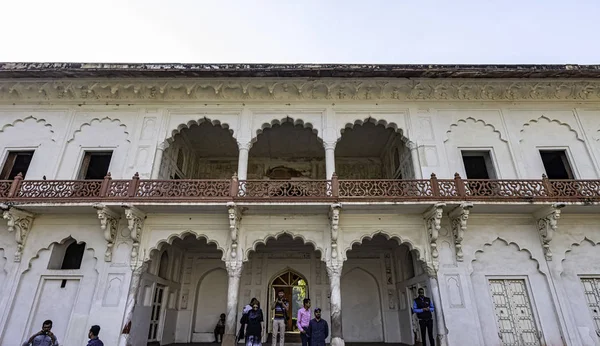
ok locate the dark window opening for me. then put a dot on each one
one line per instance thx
(95, 165)
(478, 165)
(16, 162)
(73, 256)
(556, 164)
(63, 283)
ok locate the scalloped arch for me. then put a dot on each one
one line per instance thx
(169, 241)
(100, 120)
(383, 122)
(61, 242)
(577, 244)
(401, 241)
(505, 243)
(41, 121)
(275, 236)
(543, 117)
(475, 121)
(281, 121)
(197, 122)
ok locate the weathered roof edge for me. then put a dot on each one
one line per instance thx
(174, 70)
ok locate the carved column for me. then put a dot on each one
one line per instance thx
(235, 217)
(19, 221)
(244, 149)
(134, 288)
(458, 219)
(135, 223)
(329, 159)
(334, 218)
(234, 272)
(433, 219)
(160, 150)
(334, 271)
(442, 333)
(108, 224)
(547, 220)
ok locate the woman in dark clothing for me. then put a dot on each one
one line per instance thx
(255, 326)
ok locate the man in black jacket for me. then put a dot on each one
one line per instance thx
(318, 330)
(423, 307)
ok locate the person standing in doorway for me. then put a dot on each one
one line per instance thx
(280, 309)
(423, 307)
(318, 330)
(44, 337)
(255, 326)
(93, 335)
(220, 329)
(303, 320)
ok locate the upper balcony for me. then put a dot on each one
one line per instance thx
(140, 191)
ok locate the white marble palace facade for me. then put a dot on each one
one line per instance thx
(230, 181)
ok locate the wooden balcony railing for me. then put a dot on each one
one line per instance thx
(174, 191)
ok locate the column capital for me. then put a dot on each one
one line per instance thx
(244, 145)
(108, 224)
(18, 221)
(334, 268)
(234, 268)
(329, 145)
(547, 220)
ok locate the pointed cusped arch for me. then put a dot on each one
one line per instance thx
(545, 119)
(499, 240)
(412, 246)
(286, 120)
(575, 245)
(158, 247)
(376, 122)
(275, 236)
(284, 271)
(198, 122)
(88, 249)
(105, 120)
(40, 121)
(479, 122)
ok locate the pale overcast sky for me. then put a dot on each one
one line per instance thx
(307, 31)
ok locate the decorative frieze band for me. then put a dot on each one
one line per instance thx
(297, 89)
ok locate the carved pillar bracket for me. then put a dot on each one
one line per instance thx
(547, 221)
(234, 273)
(433, 220)
(19, 221)
(135, 223)
(235, 216)
(458, 219)
(108, 224)
(334, 271)
(334, 218)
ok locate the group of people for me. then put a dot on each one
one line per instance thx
(312, 331)
(45, 337)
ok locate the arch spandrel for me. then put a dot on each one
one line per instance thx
(157, 240)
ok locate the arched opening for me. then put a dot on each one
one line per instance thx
(202, 150)
(284, 262)
(375, 291)
(287, 151)
(372, 150)
(163, 267)
(67, 255)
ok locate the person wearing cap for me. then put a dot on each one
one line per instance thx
(303, 320)
(93, 335)
(318, 330)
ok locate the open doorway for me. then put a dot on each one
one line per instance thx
(295, 289)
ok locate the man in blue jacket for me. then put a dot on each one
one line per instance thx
(318, 330)
(93, 335)
(423, 307)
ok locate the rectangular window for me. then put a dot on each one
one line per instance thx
(95, 165)
(556, 164)
(478, 164)
(591, 287)
(16, 162)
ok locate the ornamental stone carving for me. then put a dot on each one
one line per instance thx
(235, 216)
(297, 89)
(433, 220)
(135, 223)
(458, 218)
(334, 217)
(547, 221)
(19, 221)
(108, 224)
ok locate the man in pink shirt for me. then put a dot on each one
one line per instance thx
(303, 320)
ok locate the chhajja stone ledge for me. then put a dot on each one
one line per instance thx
(196, 89)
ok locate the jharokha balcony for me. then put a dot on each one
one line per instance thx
(19, 191)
